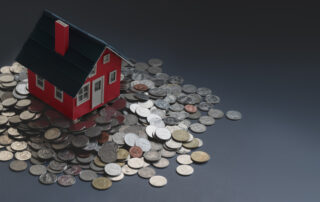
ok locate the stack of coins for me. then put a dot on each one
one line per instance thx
(156, 117)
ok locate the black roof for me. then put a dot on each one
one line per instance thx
(67, 72)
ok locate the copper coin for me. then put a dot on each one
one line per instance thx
(190, 108)
(104, 137)
(140, 87)
(135, 152)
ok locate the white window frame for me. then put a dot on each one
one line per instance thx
(79, 102)
(38, 84)
(106, 58)
(93, 71)
(55, 94)
(115, 76)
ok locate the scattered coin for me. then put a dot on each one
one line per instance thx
(52, 133)
(66, 180)
(162, 163)
(38, 169)
(146, 172)
(135, 163)
(200, 156)
(128, 171)
(48, 178)
(101, 183)
(158, 181)
(184, 159)
(17, 165)
(23, 156)
(216, 113)
(6, 155)
(87, 175)
(184, 170)
(198, 128)
(233, 115)
(112, 169)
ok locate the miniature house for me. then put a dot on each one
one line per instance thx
(69, 69)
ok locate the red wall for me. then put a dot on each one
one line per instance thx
(110, 91)
(47, 95)
(69, 106)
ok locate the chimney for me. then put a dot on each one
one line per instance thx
(61, 37)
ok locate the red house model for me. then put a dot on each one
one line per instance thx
(69, 69)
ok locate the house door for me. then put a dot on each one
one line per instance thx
(97, 91)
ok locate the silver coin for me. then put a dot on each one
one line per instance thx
(144, 144)
(162, 163)
(233, 115)
(158, 181)
(112, 169)
(87, 175)
(206, 120)
(128, 171)
(21, 88)
(135, 163)
(146, 172)
(163, 133)
(143, 112)
(189, 88)
(167, 154)
(130, 139)
(18, 165)
(152, 156)
(117, 178)
(184, 170)
(38, 169)
(204, 106)
(48, 178)
(216, 113)
(212, 99)
(203, 91)
(162, 104)
(198, 128)
(184, 159)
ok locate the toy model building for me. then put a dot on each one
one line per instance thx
(69, 69)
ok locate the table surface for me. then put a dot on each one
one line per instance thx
(262, 60)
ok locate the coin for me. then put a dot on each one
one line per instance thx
(3, 120)
(184, 159)
(190, 108)
(101, 183)
(73, 170)
(122, 154)
(23, 156)
(233, 115)
(130, 139)
(112, 169)
(26, 115)
(117, 178)
(198, 128)
(37, 169)
(5, 155)
(206, 120)
(200, 156)
(128, 171)
(180, 135)
(135, 152)
(146, 172)
(152, 156)
(48, 178)
(66, 180)
(52, 133)
(158, 181)
(162, 163)
(144, 144)
(19, 145)
(184, 170)
(17, 165)
(87, 175)
(163, 133)
(216, 113)
(80, 141)
(135, 163)
(9, 102)
(192, 144)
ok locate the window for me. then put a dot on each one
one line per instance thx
(83, 94)
(58, 94)
(93, 71)
(39, 82)
(112, 76)
(106, 58)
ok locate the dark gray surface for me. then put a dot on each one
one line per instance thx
(261, 60)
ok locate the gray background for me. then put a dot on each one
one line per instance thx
(260, 59)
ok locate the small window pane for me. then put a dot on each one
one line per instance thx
(106, 58)
(97, 86)
(112, 76)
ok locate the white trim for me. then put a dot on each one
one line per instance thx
(62, 23)
(101, 88)
(37, 84)
(79, 102)
(93, 71)
(115, 77)
(55, 94)
(106, 58)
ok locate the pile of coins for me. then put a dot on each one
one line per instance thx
(156, 117)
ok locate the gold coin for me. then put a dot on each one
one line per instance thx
(101, 183)
(122, 154)
(180, 135)
(200, 156)
(98, 162)
(191, 145)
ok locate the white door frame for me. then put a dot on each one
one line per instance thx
(96, 99)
